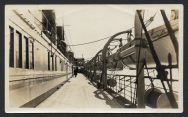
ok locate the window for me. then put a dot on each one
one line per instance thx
(18, 49)
(11, 47)
(55, 63)
(31, 54)
(66, 67)
(62, 63)
(48, 60)
(26, 53)
(52, 62)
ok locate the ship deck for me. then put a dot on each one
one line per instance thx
(79, 93)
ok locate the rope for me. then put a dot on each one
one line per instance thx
(91, 41)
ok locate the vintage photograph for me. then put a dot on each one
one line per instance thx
(94, 58)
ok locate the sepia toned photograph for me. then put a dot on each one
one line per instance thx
(94, 58)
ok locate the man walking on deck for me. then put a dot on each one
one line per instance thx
(75, 71)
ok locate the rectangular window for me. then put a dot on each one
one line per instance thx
(55, 63)
(26, 52)
(18, 49)
(52, 62)
(62, 62)
(66, 67)
(59, 64)
(48, 60)
(11, 47)
(31, 55)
